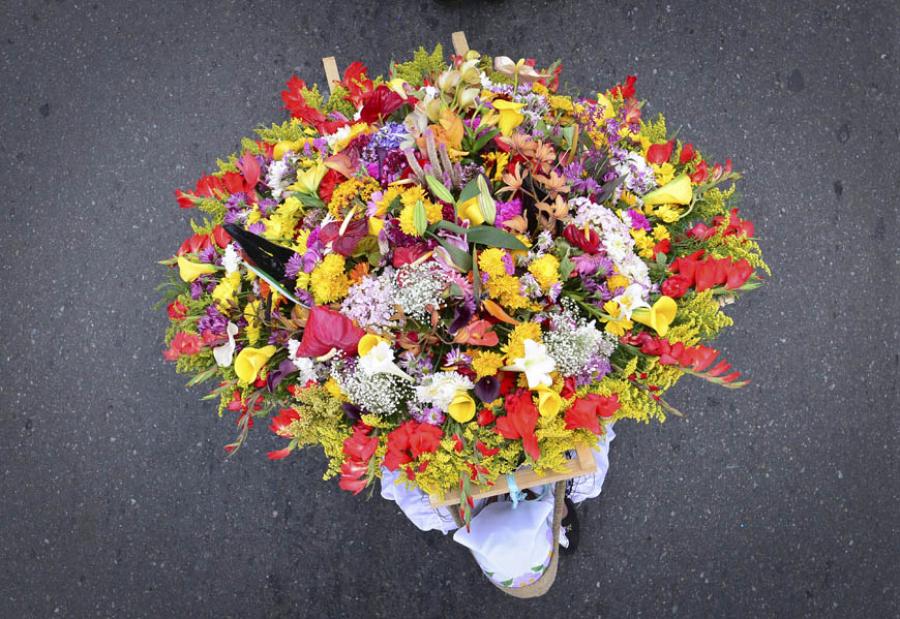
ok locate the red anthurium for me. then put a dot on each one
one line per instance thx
(587, 242)
(327, 329)
(344, 244)
(660, 153)
(408, 255)
(520, 422)
(382, 102)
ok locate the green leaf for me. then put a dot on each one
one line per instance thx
(420, 218)
(276, 285)
(447, 225)
(459, 257)
(309, 201)
(202, 376)
(483, 140)
(438, 189)
(469, 191)
(494, 237)
(476, 277)
(566, 267)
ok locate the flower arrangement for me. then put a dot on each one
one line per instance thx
(455, 270)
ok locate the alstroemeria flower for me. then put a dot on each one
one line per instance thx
(510, 115)
(189, 271)
(658, 317)
(250, 361)
(225, 353)
(536, 364)
(379, 359)
(524, 71)
(308, 180)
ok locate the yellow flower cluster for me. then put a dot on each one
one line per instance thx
(345, 193)
(328, 281)
(409, 199)
(515, 345)
(545, 270)
(486, 362)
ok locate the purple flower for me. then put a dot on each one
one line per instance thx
(487, 389)
(213, 322)
(257, 228)
(430, 415)
(507, 211)
(293, 266)
(638, 220)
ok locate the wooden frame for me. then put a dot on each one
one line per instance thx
(582, 464)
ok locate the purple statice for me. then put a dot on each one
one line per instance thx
(430, 415)
(638, 220)
(507, 211)
(257, 227)
(293, 266)
(266, 205)
(196, 289)
(595, 369)
(581, 182)
(213, 322)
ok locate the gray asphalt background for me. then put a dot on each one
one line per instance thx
(117, 500)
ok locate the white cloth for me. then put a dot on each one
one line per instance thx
(589, 486)
(512, 545)
(415, 504)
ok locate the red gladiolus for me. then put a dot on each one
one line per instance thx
(327, 329)
(282, 421)
(586, 412)
(568, 390)
(662, 247)
(507, 382)
(359, 449)
(331, 180)
(250, 169)
(700, 173)
(676, 286)
(361, 446)
(660, 153)
(588, 243)
(176, 310)
(485, 451)
(357, 83)
(183, 343)
(687, 154)
(485, 417)
(296, 104)
(409, 441)
(520, 422)
(705, 273)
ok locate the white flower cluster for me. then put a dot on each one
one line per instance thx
(439, 388)
(380, 394)
(418, 287)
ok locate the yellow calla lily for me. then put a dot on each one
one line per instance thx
(368, 342)
(510, 116)
(285, 146)
(658, 317)
(677, 191)
(398, 85)
(250, 361)
(462, 407)
(189, 271)
(549, 402)
(471, 211)
(308, 180)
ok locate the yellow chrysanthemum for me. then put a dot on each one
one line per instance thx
(515, 345)
(664, 173)
(390, 194)
(545, 270)
(334, 389)
(660, 232)
(225, 292)
(617, 281)
(628, 198)
(490, 261)
(495, 164)
(487, 362)
(328, 281)
(344, 195)
(300, 243)
(669, 213)
(643, 242)
(433, 212)
(506, 290)
(559, 102)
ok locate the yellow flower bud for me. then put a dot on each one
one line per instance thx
(367, 343)
(189, 271)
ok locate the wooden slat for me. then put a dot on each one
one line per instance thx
(331, 71)
(582, 464)
(460, 45)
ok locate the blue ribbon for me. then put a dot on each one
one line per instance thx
(515, 494)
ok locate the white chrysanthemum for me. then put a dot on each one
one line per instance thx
(440, 387)
(277, 177)
(231, 260)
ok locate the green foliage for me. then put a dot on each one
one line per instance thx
(422, 65)
(288, 131)
(655, 130)
(337, 102)
(322, 421)
(313, 97)
(214, 208)
(713, 202)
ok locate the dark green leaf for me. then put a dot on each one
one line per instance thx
(494, 237)
(438, 189)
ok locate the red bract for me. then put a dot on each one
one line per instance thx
(296, 104)
(700, 173)
(588, 243)
(695, 359)
(327, 329)
(660, 153)
(626, 91)
(407, 255)
(520, 421)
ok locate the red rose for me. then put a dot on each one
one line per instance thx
(676, 286)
